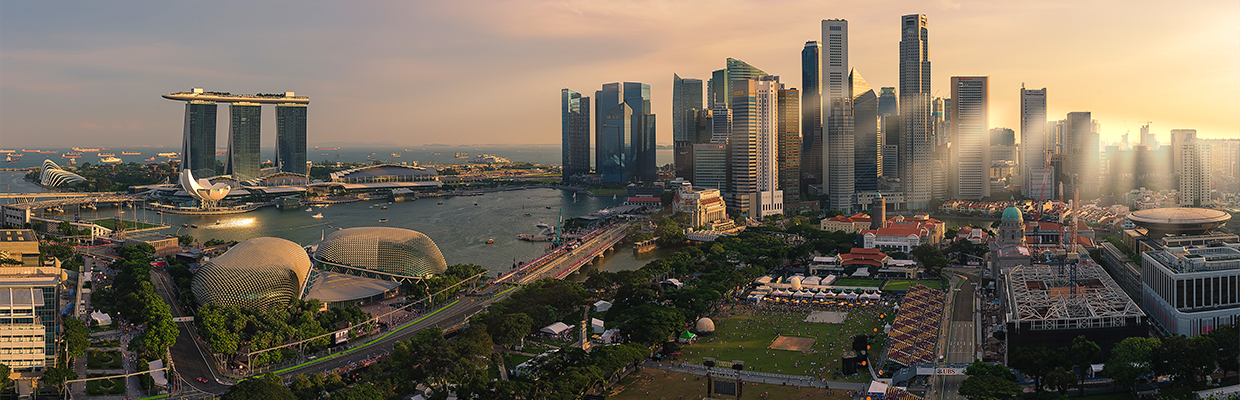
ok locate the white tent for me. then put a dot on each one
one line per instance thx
(609, 336)
(597, 325)
(601, 305)
(813, 280)
(556, 328)
(101, 318)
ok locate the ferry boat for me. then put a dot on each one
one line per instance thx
(110, 160)
(85, 150)
(107, 154)
(131, 153)
(8, 151)
(543, 225)
(309, 209)
(491, 240)
(317, 216)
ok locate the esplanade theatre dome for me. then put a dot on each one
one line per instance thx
(394, 251)
(261, 273)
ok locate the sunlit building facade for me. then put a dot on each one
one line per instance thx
(1033, 148)
(261, 273)
(970, 162)
(381, 253)
(918, 145)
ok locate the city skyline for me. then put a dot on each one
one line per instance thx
(409, 91)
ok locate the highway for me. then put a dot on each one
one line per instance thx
(959, 346)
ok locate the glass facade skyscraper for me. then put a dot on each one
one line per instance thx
(198, 144)
(575, 133)
(291, 138)
(970, 162)
(790, 145)
(867, 141)
(686, 104)
(244, 134)
(917, 151)
(624, 133)
(811, 115)
(1033, 146)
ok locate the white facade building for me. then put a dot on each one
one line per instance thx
(1193, 289)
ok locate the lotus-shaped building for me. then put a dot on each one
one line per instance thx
(207, 193)
(261, 273)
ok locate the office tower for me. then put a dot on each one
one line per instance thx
(1002, 137)
(971, 140)
(291, 138)
(918, 146)
(789, 153)
(867, 141)
(840, 181)
(878, 212)
(811, 115)
(721, 123)
(198, 144)
(1033, 139)
(1194, 157)
(1178, 138)
(574, 134)
(686, 102)
(710, 165)
(888, 102)
(244, 133)
(834, 64)
(721, 80)
(704, 124)
(33, 297)
(941, 120)
(1080, 143)
(755, 174)
(624, 133)
(1147, 138)
(889, 127)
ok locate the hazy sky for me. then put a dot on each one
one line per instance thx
(479, 72)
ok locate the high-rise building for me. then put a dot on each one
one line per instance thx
(721, 123)
(834, 85)
(710, 165)
(917, 129)
(291, 138)
(721, 81)
(834, 64)
(686, 102)
(624, 133)
(888, 102)
(755, 174)
(867, 141)
(1033, 139)
(30, 330)
(1080, 142)
(1002, 137)
(575, 134)
(244, 133)
(1178, 138)
(971, 139)
(198, 144)
(1147, 138)
(890, 127)
(789, 152)
(1194, 156)
(840, 184)
(811, 114)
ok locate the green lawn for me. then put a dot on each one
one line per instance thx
(858, 282)
(747, 333)
(103, 359)
(111, 224)
(904, 285)
(105, 387)
(513, 360)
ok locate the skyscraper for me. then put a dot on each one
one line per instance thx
(624, 133)
(1033, 138)
(840, 184)
(244, 133)
(1082, 156)
(291, 137)
(198, 143)
(1179, 137)
(917, 131)
(811, 114)
(867, 141)
(834, 85)
(789, 139)
(686, 102)
(890, 126)
(971, 139)
(721, 80)
(1194, 167)
(710, 165)
(755, 163)
(575, 134)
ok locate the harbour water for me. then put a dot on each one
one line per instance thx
(458, 226)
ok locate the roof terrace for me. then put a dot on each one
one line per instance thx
(197, 94)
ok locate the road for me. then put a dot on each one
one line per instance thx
(563, 261)
(189, 356)
(959, 346)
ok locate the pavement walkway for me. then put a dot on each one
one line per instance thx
(758, 377)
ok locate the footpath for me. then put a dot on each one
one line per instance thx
(757, 377)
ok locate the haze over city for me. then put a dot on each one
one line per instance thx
(490, 72)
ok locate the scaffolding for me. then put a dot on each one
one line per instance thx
(1068, 294)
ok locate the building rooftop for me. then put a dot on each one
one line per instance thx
(197, 94)
(13, 297)
(1179, 220)
(331, 287)
(1048, 292)
(18, 235)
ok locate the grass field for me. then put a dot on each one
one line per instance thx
(904, 285)
(859, 282)
(103, 359)
(745, 333)
(104, 387)
(674, 385)
(111, 224)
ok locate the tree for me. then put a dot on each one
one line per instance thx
(1228, 339)
(1130, 359)
(9, 261)
(66, 228)
(986, 387)
(57, 376)
(1082, 354)
(1060, 379)
(77, 337)
(266, 387)
(361, 391)
(511, 328)
(4, 376)
(1036, 362)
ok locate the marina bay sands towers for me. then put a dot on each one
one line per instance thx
(244, 132)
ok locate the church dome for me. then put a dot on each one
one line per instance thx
(1012, 214)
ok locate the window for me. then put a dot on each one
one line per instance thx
(835, 28)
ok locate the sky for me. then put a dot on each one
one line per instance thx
(490, 72)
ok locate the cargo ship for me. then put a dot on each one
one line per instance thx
(85, 150)
(110, 160)
(107, 154)
(131, 153)
(169, 155)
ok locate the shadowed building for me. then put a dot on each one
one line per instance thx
(291, 138)
(686, 104)
(575, 134)
(243, 141)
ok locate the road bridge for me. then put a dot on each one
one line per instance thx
(563, 260)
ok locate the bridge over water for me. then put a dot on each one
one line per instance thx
(563, 261)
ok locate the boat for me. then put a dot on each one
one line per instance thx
(383, 220)
(396, 155)
(185, 225)
(71, 156)
(8, 151)
(131, 153)
(542, 225)
(194, 226)
(107, 154)
(548, 207)
(461, 155)
(441, 203)
(220, 152)
(328, 148)
(491, 240)
(317, 216)
(10, 158)
(110, 160)
(383, 208)
(169, 155)
(150, 159)
(310, 209)
(436, 154)
(92, 150)
(475, 203)
(527, 214)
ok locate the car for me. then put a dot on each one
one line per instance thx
(201, 379)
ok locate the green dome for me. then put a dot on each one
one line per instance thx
(1012, 214)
